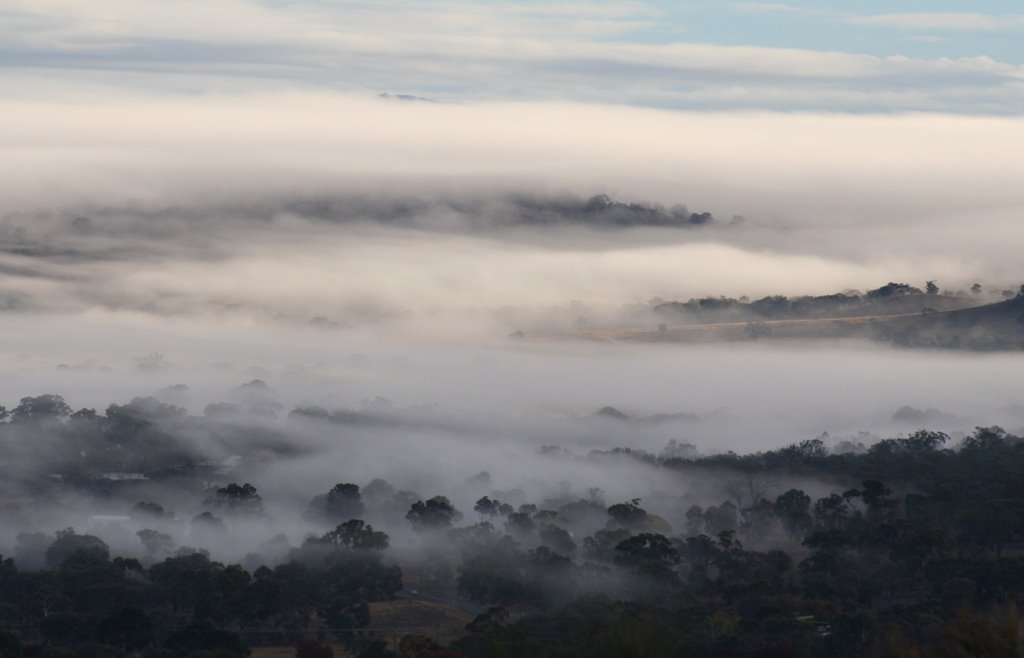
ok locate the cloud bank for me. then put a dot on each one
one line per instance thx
(605, 52)
(309, 206)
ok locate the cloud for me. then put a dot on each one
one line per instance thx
(766, 7)
(279, 207)
(465, 51)
(167, 147)
(92, 24)
(926, 38)
(947, 21)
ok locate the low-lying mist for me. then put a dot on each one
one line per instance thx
(473, 219)
(296, 411)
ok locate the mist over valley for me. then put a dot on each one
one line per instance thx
(507, 330)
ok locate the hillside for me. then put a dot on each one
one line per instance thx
(996, 326)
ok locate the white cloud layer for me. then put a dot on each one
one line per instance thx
(188, 198)
(458, 50)
(951, 21)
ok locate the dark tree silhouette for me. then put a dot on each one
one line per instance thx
(436, 513)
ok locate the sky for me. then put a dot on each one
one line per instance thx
(864, 56)
(206, 180)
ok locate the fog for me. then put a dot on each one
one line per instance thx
(503, 329)
(753, 395)
(450, 219)
(427, 415)
(830, 199)
(327, 289)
